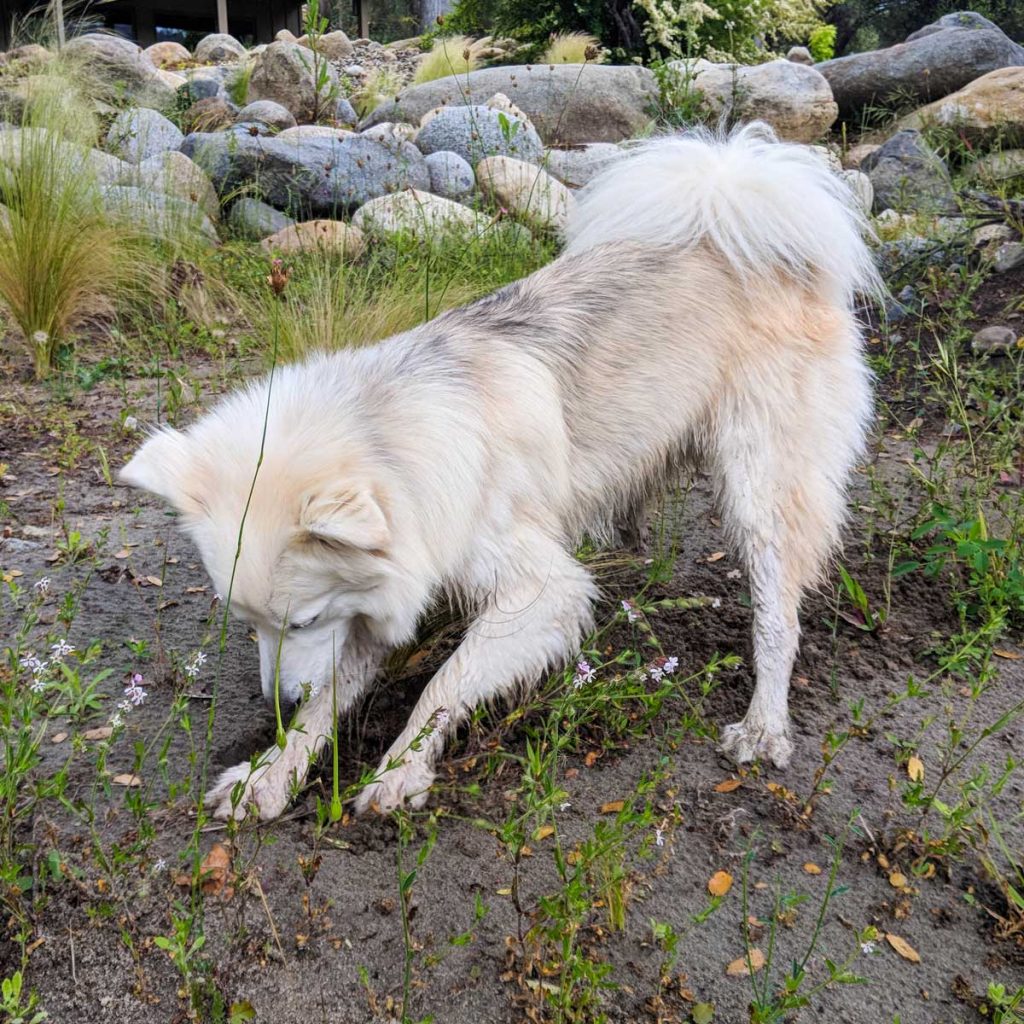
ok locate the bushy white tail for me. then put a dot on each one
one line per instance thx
(767, 206)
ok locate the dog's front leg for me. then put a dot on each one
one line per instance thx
(271, 780)
(527, 623)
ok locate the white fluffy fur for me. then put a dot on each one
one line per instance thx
(703, 309)
(765, 205)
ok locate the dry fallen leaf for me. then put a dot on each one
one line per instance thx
(154, 581)
(740, 967)
(613, 806)
(715, 556)
(897, 879)
(811, 868)
(215, 874)
(127, 779)
(58, 737)
(779, 790)
(720, 883)
(123, 554)
(915, 768)
(1009, 655)
(728, 785)
(591, 759)
(904, 948)
(103, 732)
(543, 832)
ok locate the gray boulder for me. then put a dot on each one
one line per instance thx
(926, 67)
(793, 98)
(283, 72)
(478, 132)
(568, 104)
(140, 133)
(176, 175)
(320, 174)
(267, 112)
(908, 177)
(576, 167)
(957, 19)
(159, 214)
(253, 219)
(450, 175)
(122, 64)
(219, 48)
(345, 112)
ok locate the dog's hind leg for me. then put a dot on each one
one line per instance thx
(781, 465)
(536, 608)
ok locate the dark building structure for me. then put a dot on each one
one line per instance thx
(150, 21)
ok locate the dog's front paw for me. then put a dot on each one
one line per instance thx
(751, 741)
(262, 788)
(407, 783)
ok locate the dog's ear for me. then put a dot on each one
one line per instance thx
(351, 518)
(164, 466)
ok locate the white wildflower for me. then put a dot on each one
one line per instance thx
(194, 664)
(630, 609)
(134, 693)
(867, 948)
(42, 586)
(671, 664)
(656, 672)
(584, 674)
(160, 866)
(60, 650)
(659, 836)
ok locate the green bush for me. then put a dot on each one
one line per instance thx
(822, 42)
(649, 29)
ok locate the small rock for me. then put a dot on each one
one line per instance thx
(529, 192)
(988, 234)
(208, 115)
(345, 113)
(219, 48)
(317, 234)
(335, 46)
(167, 54)
(140, 133)
(478, 132)
(578, 166)
(284, 72)
(799, 55)
(418, 214)
(909, 177)
(253, 219)
(860, 185)
(267, 112)
(450, 175)
(856, 155)
(1009, 256)
(994, 339)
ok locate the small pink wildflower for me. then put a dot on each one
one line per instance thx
(631, 611)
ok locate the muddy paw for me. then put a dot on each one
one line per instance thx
(263, 788)
(745, 742)
(409, 783)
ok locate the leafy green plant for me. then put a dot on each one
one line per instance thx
(15, 1011)
(325, 86)
(822, 42)
(863, 617)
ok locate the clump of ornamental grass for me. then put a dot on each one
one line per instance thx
(572, 48)
(381, 85)
(63, 258)
(334, 303)
(450, 55)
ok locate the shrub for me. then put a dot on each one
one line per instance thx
(822, 42)
(450, 55)
(572, 48)
(719, 29)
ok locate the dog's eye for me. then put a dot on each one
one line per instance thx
(303, 625)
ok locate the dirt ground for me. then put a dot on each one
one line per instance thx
(303, 940)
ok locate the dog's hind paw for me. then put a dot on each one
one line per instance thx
(261, 788)
(406, 784)
(745, 742)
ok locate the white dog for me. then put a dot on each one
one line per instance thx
(703, 308)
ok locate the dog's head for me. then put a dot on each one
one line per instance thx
(303, 544)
